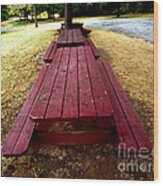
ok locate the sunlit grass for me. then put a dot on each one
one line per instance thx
(133, 64)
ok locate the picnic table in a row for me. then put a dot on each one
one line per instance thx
(75, 88)
(71, 37)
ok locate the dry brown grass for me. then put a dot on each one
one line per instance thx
(133, 63)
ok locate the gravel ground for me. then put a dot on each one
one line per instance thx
(132, 61)
(135, 27)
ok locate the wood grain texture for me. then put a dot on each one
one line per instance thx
(54, 109)
(46, 55)
(43, 97)
(75, 138)
(132, 123)
(101, 97)
(70, 106)
(86, 100)
(21, 132)
(94, 49)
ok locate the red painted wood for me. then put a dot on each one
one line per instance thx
(52, 53)
(42, 100)
(75, 138)
(123, 130)
(65, 37)
(94, 49)
(75, 36)
(134, 122)
(60, 36)
(22, 121)
(102, 101)
(70, 106)
(80, 37)
(54, 109)
(46, 56)
(70, 36)
(86, 100)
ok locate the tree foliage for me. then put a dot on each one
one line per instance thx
(4, 12)
(79, 9)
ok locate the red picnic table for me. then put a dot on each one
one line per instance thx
(73, 91)
(77, 89)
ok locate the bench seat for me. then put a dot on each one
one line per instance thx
(50, 52)
(19, 136)
(70, 37)
(129, 127)
(93, 48)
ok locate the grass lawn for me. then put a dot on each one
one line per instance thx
(16, 23)
(132, 61)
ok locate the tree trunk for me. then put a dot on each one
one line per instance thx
(68, 15)
(35, 16)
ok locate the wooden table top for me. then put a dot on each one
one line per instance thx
(70, 37)
(72, 88)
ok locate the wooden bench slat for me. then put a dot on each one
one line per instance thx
(86, 100)
(76, 138)
(46, 56)
(65, 37)
(22, 120)
(102, 101)
(134, 122)
(75, 36)
(70, 36)
(44, 94)
(80, 37)
(54, 109)
(60, 36)
(123, 129)
(94, 49)
(52, 53)
(70, 106)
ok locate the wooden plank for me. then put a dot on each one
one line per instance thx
(134, 122)
(75, 138)
(79, 35)
(94, 49)
(102, 101)
(65, 37)
(75, 36)
(46, 56)
(70, 106)
(123, 130)
(22, 119)
(60, 36)
(86, 100)
(52, 53)
(24, 137)
(42, 100)
(70, 36)
(54, 109)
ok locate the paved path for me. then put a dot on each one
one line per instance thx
(134, 27)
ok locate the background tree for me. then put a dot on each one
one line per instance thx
(4, 12)
(26, 12)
